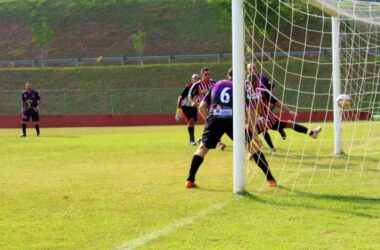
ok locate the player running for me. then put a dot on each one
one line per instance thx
(199, 90)
(30, 108)
(185, 110)
(216, 107)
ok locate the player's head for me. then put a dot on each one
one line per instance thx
(28, 86)
(251, 68)
(206, 74)
(253, 79)
(195, 78)
(229, 74)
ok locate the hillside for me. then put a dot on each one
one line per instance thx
(104, 27)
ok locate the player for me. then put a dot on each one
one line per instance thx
(199, 90)
(264, 83)
(216, 107)
(30, 108)
(184, 109)
(267, 119)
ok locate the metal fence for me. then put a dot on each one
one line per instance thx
(122, 60)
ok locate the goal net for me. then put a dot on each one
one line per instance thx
(291, 44)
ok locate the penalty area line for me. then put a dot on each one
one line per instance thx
(169, 228)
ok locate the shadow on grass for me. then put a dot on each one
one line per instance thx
(364, 201)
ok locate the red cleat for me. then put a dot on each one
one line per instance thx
(190, 184)
(272, 183)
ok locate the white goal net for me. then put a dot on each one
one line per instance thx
(291, 44)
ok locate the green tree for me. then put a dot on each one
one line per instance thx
(139, 43)
(42, 33)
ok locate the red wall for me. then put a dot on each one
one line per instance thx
(13, 121)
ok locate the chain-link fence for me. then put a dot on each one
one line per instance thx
(96, 101)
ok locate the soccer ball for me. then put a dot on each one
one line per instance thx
(344, 101)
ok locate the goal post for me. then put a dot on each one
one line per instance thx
(238, 93)
(336, 76)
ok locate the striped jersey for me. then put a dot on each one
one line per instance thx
(261, 98)
(200, 89)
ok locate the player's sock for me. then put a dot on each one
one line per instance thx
(301, 129)
(261, 161)
(195, 163)
(282, 133)
(268, 140)
(24, 129)
(37, 129)
(191, 133)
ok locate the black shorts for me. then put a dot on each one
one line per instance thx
(214, 130)
(30, 113)
(190, 113)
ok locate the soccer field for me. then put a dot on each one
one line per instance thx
(121, 188)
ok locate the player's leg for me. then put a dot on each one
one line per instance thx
(268, 139)
(196, 162)
(191, 117)
(210, 137)
(25, 117)
(282, 133)
(259, 158)
(302, 129)
(23, 129)
(36, 119)
(190, 130)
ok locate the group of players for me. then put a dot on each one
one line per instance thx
(214, 102)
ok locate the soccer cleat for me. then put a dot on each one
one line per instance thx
(193, 143)
(190, 184)
(22, 136)
(272, 183)
(272, 150)
(222, 146)
(315, 132)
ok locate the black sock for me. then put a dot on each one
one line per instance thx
(268, 139)
(24, 129)
(191, 133)
(195, 164)
(300, 128)
(282, 133)
(261, 161)
(37, 129)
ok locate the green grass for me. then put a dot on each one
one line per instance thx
(99, 188)
(88, 28)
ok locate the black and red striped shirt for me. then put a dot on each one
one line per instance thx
(262, 99)
(200, 89)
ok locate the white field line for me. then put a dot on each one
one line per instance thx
(169, 228)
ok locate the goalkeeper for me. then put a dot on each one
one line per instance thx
(185, 110)
(30, 108)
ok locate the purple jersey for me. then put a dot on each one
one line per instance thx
(219, 99)
(30, 100)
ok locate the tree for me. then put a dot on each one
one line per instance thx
(42, 33)
(139, 43)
